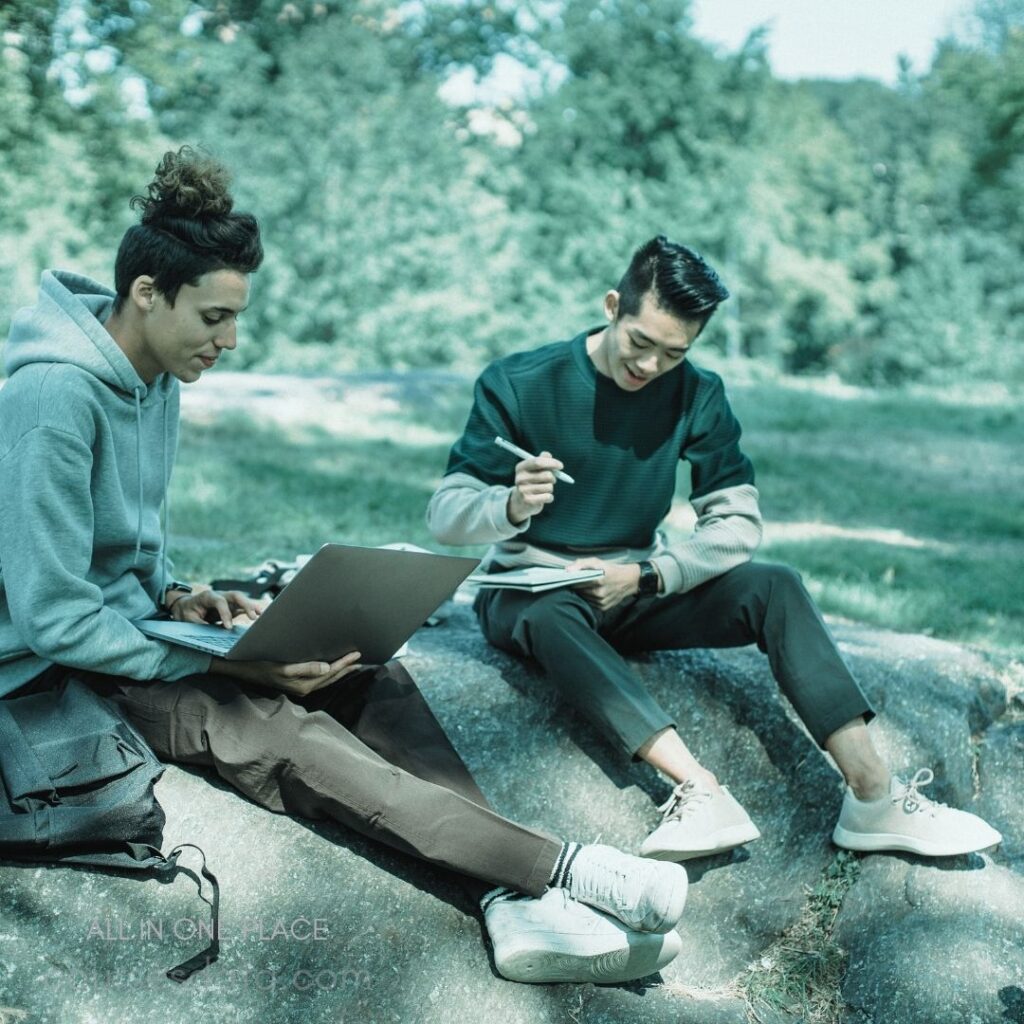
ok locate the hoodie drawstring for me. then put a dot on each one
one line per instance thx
(166, 511)
(164, 574)
(138, 471)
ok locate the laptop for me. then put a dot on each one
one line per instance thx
(345, 598)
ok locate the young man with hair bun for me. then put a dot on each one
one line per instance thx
(88, 435)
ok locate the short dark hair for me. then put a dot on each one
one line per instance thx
(683, 283)
(187, 228)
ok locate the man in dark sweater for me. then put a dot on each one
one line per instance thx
(621, 406)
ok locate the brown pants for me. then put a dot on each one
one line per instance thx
(366, 752)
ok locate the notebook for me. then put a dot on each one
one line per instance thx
(345, 598)
(535, 578)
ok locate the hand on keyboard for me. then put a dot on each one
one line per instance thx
(212, 605)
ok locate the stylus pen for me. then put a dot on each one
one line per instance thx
(516, 450)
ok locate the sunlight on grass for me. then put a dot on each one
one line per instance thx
(777, 532)
(966, 602)
(866, 603)
(244, 492)
(373, 409)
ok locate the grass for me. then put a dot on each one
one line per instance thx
(901, 510)
(245, 492)
(801, 972)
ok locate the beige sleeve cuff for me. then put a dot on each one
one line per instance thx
(465, 510)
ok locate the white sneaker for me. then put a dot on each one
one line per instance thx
(555, 938)
(642, 895)
(907, 820)
(697, 822)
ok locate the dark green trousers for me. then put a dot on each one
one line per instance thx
(581, 648)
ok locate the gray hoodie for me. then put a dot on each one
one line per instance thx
(85, 456)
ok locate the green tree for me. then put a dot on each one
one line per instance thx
(379, 245)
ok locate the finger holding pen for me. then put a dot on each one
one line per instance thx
(534, 486)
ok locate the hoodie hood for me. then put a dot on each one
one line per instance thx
(66, 326)
(85, 456)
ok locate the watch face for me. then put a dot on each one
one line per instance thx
(648, 579)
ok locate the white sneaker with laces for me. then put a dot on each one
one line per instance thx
(696, 822)
(642, 895)
(907, 820)
(555, 938)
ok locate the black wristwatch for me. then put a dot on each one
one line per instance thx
(649, 580)
(175, 585)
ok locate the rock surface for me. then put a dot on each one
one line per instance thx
(1000, 772)
(942, 945)
(322, 926)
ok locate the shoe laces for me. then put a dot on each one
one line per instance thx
(685, 799)
(607, 886)
(913, 799)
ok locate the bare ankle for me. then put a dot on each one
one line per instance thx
(869, 787)
(702, 778)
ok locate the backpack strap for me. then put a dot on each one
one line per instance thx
(170, 863)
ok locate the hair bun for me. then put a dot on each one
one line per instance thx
(188, 184)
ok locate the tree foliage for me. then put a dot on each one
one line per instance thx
(863, 229)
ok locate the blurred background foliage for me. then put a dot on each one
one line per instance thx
(865, 230)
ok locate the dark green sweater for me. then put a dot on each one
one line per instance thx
(621, 447)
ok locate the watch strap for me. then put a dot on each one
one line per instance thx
(649, 579)
(183, 591)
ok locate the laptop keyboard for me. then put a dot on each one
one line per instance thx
(214, 643)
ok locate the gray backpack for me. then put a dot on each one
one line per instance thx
(77, 787)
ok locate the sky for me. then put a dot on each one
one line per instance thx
(834, 38)
(806, 39)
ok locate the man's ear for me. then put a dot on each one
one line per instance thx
(611, 305)
(143, 293)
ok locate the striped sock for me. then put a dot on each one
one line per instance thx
(559, 878)
(563, 865)
(501, 892)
